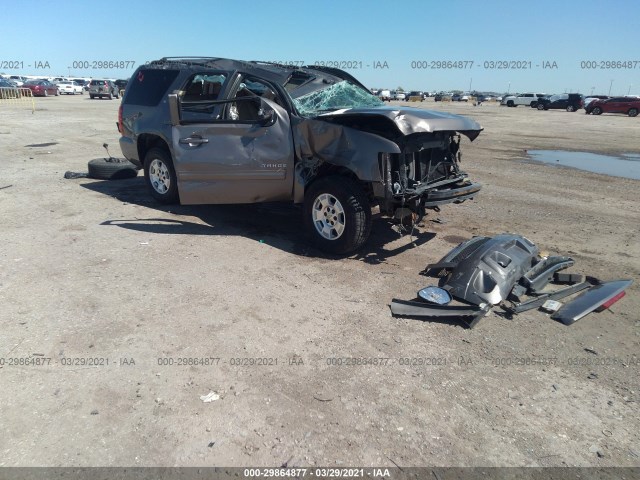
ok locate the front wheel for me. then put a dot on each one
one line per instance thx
(632, 112)
(596, 110)
(571, 108)
(540, 106)
(160, 176)
(337, 214)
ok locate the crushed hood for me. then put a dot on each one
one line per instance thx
(408, 120)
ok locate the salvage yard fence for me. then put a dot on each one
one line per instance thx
(18, 97)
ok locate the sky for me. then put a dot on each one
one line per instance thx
(583, 46)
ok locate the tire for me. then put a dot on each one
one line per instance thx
(337, 214)
(92, 96)
(110, 96)
(571, 108)
(57, 92)
(160, 176)
(117, 95)
(510, 103)
(540, 106)
(533, 104)
(596, 110)
(633, 112)
(111, 169)
(46, 94)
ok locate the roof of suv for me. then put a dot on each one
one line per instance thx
(270, 71)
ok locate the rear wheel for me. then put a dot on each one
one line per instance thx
(160, 176)
(540, 106)
(596, 110)
(337, 214)
(571, 108)
(632, 112)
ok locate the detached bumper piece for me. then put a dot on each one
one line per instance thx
(599, 297)
(470, 315)
(486, 271)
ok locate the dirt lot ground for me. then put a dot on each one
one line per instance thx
(96, 270)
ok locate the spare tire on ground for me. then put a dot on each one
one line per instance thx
(112, 169)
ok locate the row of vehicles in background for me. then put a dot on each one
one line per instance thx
(572, 102)
(401, 95)
(43, 87)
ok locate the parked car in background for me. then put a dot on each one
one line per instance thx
(591, 98)
(70, 88)
(399, 96)
(565, 101)
(416, 96)
(103, 88)
(41, 88)
(18, 79)
(384, 95)
(8, 89)
(121, 84)
(82, 82)
(528, 99)
(628, 105)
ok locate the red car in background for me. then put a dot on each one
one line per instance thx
(628, 105)
(41, 88)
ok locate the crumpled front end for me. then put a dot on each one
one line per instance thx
(425, 174)
(409, 156)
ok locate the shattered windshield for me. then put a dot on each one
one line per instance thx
(335, 97)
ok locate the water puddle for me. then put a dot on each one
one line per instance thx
(625, 165)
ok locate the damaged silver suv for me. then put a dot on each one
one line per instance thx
(216, 131)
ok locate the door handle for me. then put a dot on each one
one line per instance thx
(194, 140)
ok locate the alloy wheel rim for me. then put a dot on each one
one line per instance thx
(159, 176)
(328, 216)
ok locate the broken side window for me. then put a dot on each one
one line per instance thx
(199, 102)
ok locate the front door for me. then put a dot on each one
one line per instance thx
(233, 145)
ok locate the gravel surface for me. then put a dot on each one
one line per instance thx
(133, 313)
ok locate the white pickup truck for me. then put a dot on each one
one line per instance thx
(528, 99)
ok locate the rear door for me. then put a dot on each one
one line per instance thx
(616, 105)
(233, 143)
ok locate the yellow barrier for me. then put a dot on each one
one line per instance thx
(17, 96)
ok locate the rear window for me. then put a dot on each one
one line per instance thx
(147, 87)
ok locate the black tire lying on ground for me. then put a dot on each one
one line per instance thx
(111, 169)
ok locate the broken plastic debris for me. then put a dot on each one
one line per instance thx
(210, 397)
(551, 306)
